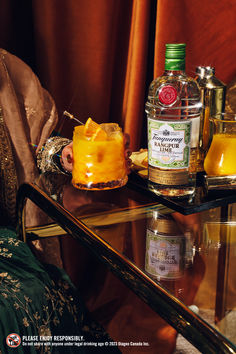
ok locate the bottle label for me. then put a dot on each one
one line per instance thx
(168, 177)
(169, 143)
(167, 95)
(164, 255)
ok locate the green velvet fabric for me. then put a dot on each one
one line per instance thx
(40, 300)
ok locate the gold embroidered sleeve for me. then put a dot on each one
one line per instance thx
(48, 158)
(8, 176)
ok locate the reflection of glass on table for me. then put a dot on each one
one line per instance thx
(220, 238)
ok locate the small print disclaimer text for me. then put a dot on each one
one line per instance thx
(64, 341)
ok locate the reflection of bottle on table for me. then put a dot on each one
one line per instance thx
(170, 259)
(165, 248)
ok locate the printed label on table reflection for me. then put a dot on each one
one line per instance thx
(164, 256)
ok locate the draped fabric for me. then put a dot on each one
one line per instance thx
(97, 57)
(32, 303)
(207, 27)
(40, 303)
(28, 116)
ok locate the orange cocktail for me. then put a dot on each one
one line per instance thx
(220, 159)
(98, 155)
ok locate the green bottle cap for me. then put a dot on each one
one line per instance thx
(175, 57)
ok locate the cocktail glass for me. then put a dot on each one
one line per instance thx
(220, 159)
(98, 156)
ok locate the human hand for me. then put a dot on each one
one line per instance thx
(128, 152)
(67, 157)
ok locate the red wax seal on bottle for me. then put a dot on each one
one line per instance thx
(167, 95)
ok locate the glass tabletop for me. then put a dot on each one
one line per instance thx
(192, 257)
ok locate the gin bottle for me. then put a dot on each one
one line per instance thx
(173, 112)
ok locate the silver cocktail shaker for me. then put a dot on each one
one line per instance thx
(213, 101)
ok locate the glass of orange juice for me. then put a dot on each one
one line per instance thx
(220, 159)
(98, 156)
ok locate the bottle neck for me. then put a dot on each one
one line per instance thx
(174, 72)
(175, 65)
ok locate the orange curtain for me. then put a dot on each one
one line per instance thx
(208, 29)
(93, 55)
(97, 57)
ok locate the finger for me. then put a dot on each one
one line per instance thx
(126, 140)
(128, 153)
(67, 158)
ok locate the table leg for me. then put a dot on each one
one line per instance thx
(222, 268)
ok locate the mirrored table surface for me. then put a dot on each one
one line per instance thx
(182, 266)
